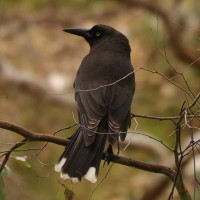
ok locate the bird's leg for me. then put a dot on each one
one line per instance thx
(118, 147)
(69, 138)
(106, 154)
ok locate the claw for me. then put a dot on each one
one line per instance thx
(106, 155)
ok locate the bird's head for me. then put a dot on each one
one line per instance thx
(102, 36)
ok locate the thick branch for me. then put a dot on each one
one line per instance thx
(143, 166)
(33, 136)
(113, 158)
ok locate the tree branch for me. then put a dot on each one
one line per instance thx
(7, 155)
(162, 118)
(143, 165)
(33, 136)
(113, 158)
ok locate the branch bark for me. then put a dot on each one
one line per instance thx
(130, 162)
(31, 136)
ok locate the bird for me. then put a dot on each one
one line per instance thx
(104, 88)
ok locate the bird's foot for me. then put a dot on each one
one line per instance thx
(106, 155)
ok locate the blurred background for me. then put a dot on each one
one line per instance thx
(38, 63)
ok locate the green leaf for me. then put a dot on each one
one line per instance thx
(2, 186)
(69, 195)
(6, 170)
(26, 164)
(23, 161)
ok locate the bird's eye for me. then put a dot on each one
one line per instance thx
(98, 34)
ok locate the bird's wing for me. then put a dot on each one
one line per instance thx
(98, 98)
(91, 112)
(119, 111)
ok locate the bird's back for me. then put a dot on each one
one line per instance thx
(102, 68)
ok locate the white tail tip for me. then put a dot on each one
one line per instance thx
(59, 165)
(64, 176)
(67, 177)
(91, 175)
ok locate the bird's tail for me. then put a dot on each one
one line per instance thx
(80, 160)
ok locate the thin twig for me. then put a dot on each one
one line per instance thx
(7, 155)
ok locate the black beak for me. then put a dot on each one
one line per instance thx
(83, 32)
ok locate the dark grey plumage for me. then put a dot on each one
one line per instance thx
(104, 99)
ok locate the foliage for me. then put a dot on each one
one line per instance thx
(2, 186)
(69, 195)
(6, 171)
(23, 161)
